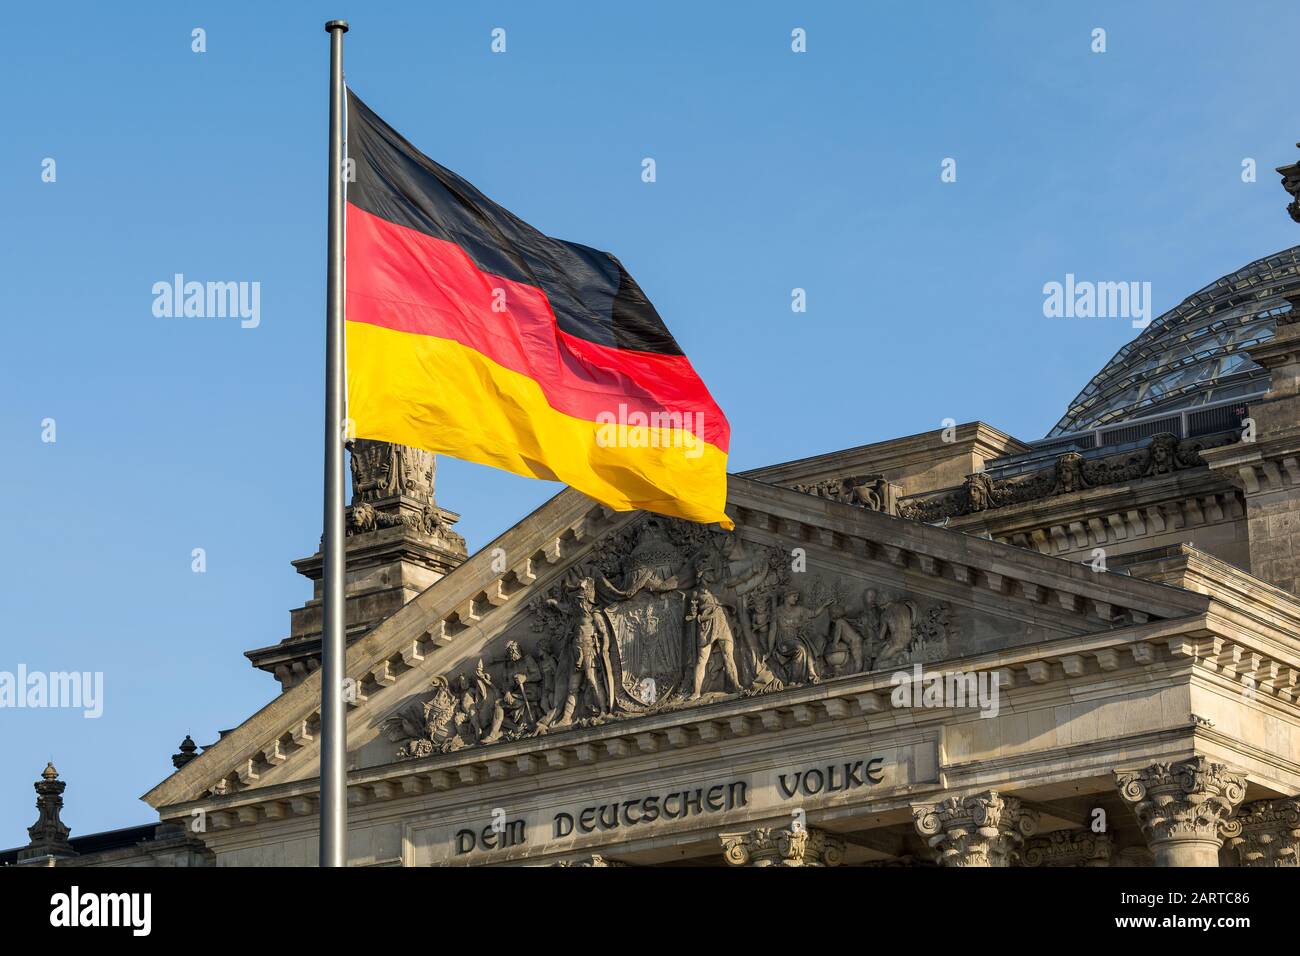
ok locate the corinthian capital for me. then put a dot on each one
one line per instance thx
(1269, 833)
(984, 829)
(1070, 848)
(767, 846)
(1184, 808)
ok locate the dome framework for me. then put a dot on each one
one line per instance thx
(1194, 354)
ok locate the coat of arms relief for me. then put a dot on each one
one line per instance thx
(665, 615)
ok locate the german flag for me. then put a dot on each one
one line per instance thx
(471, 334)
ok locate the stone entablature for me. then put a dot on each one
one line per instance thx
(766, 720)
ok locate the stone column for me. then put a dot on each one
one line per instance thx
(795, 846)
(983, 829)
(1184, 808)
(1070, 848)
(1268, 834)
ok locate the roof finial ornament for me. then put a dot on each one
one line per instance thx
(49, 836)
(188, 751)
(1291, 183)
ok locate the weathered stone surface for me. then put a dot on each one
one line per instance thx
(980, 830)
(1269, 833)
(795, 846)
(1185, 808)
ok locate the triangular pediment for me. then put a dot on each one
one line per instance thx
(579, 616)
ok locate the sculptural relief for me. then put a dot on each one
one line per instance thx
(665, 615)
(393, 487)
(872, 492)
(381, 469)
(1164, 454)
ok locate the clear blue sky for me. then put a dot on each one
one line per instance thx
(775, 171)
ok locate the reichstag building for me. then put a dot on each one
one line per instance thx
(957, 648)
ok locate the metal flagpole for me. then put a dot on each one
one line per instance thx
(333, 711)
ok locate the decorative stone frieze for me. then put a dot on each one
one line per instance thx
(1185, 808)
(1163, 454)
(795, 846)
(1270, 833)
(983, 829)
(1070, 848)
(667, 615)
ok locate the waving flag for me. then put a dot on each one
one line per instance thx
(471, 334)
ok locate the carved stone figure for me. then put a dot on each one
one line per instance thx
(589, 666)
(1163, 454)
(381, 469)
(979, 491)
(1291, 183)
(792, 653)
(513, 691)
(872, 492)
(712, 632)
(363, 517)
(1069, 474)
(755, 617)
(427, 726)
(844, 645)
(546, 664)
(895, 633)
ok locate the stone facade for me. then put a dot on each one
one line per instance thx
(906, 654)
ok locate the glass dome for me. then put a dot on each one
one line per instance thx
(1194, 354)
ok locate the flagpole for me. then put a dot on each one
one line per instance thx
(333, 711)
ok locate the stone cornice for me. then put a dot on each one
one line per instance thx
(1240, 597)
(977, 438)
(1258, 467)
(959, 558)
